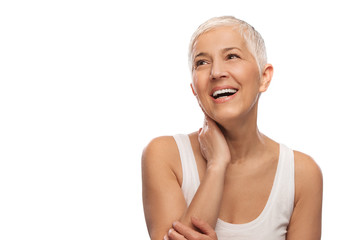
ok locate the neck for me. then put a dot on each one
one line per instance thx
(243, 137)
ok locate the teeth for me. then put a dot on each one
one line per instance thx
(221, 91)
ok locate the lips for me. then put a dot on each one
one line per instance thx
(223, 93)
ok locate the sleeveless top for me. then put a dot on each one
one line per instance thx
(272, 222)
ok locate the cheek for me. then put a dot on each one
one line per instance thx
(198, 82)
(200, 90)
(248, 76)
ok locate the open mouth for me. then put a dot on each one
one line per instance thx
(222, 93)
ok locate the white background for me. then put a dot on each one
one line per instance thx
(85, 85)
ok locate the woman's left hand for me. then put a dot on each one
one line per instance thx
(182, 232)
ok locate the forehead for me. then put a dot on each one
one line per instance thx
(219, 38)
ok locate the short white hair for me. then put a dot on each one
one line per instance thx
(253, 39)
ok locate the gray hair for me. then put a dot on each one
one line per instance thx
(253, 39)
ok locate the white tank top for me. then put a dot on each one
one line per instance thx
(272, 222)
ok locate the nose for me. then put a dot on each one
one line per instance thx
(218, 71)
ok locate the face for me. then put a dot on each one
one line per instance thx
(226, 78)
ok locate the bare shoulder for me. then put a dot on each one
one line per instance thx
(305, 166)
(160, 146)
(308, 175)
(161, 153)
(305, 221)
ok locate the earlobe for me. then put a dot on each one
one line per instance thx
(266, 77)
(194, 93)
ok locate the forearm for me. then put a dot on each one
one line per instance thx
(207, 200)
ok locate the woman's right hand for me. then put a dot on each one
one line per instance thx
(181, 231)
(213, 145)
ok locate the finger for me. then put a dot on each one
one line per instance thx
(203, 226)
(186, 231)
(174, 235)
(206, 119)
(209, 120)
(205, 126)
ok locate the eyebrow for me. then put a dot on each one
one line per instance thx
(201, 54)
(230, 48)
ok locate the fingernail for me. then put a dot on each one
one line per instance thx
(166, 238)
(173, 224)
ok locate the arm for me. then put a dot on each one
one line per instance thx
(305, 222)
(162, 195)
(163, 200)
(206, 202)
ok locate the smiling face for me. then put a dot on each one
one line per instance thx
(226, 78)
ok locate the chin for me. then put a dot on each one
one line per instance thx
(231, 115)
(226, 115)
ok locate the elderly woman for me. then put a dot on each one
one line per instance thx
(228, 180)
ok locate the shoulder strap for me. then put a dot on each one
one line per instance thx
(190, 177)
(286, 178)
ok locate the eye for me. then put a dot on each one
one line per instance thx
(199, 63)
(232, 56)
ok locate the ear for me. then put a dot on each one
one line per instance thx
(194, 92)
(267, 75)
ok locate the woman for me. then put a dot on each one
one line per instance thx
(228, 180)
